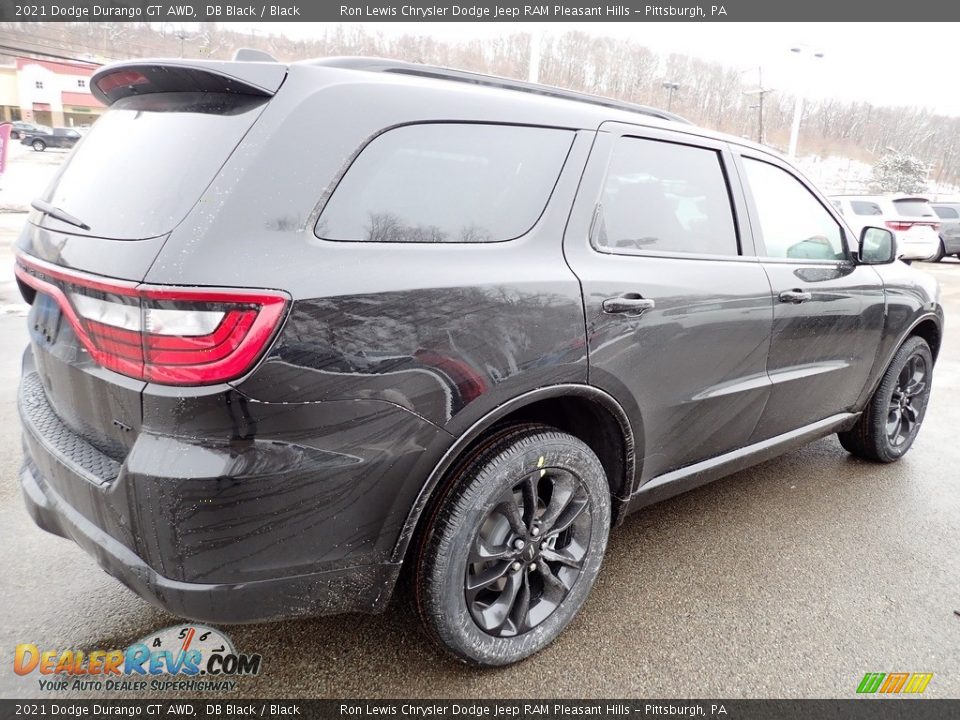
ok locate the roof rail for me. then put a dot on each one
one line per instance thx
(432, 71)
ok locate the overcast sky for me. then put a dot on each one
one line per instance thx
(884, 63)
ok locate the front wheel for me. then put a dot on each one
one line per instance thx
(514, 547)
(890, 422)
(39, 145)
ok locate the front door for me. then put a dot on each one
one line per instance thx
(677, 307)
(828, 311)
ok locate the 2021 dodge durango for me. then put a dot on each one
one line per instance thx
(298, 328)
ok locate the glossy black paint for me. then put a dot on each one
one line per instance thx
(297, 488)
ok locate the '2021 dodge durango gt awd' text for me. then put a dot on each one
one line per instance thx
(295, 328)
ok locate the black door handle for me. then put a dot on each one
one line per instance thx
(795, 296)
(629, 304)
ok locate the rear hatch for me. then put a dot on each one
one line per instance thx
(914, 217)
(97, 334)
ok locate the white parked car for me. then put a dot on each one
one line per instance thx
(911, 218)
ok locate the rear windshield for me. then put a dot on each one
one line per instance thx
(146, 162)
(447, 183)
(913, 208)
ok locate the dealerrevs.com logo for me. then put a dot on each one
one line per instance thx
(181, 657)
(894, 683)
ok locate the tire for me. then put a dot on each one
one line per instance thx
(533, 577)
(876, 436)
(940, 253)
(38, 145)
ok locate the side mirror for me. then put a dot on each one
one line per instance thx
(878, 246)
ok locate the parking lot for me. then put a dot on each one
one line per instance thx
(791, 579)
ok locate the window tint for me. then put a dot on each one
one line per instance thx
(666, 197)
(946, 213)
(792, 222)
(913, 208)
(861, 207)
(146, 162)
(447, 183)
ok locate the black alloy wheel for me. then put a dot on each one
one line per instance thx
(907, 401)
(528, 553)
(511, 548)
(889, 423)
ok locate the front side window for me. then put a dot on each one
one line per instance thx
(792, 221)
(447, 183)
(665, 197)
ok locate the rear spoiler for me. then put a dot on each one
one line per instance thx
(140, 77)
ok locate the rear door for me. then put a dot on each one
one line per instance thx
(828, 311)
(678, 311)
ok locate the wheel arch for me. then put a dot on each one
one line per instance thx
(927, 326)
(930, 330)
(584, 411)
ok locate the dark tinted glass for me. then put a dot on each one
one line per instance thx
(146, 162)
(792, 222)
(945, 212)
(666, 197)
(447, 183)
(865, 208)
(913, 208)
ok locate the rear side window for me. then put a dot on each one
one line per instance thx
(913, 208)
(447, 183)
(665, 197)
(147, 161)
(793, 223)
(946, 213)
(861, 207)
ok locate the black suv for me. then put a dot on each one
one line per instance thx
(296, 328)
(57, 138)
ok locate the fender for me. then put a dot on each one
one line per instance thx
(498, 413)
(881, 368)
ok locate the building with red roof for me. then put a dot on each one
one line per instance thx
(48, 92)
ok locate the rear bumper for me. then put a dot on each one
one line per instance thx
(915, 248)
(356, 589)
(241, 530)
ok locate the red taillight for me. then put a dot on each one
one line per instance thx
(163, 334)
(898, 226)
(121, 78)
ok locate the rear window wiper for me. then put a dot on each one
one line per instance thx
(58, 214)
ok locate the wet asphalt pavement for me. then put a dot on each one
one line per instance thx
(793, 578)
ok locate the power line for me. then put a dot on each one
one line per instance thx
(25, 51)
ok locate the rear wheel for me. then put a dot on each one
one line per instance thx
(890, 422)
(514, 547)
(940, 253)
(39, 145)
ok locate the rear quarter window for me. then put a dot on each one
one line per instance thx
(946, 213)
(861, 207)
(446, 183)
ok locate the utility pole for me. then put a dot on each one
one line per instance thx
(760, 92)
(536, 42)
(800, 51)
